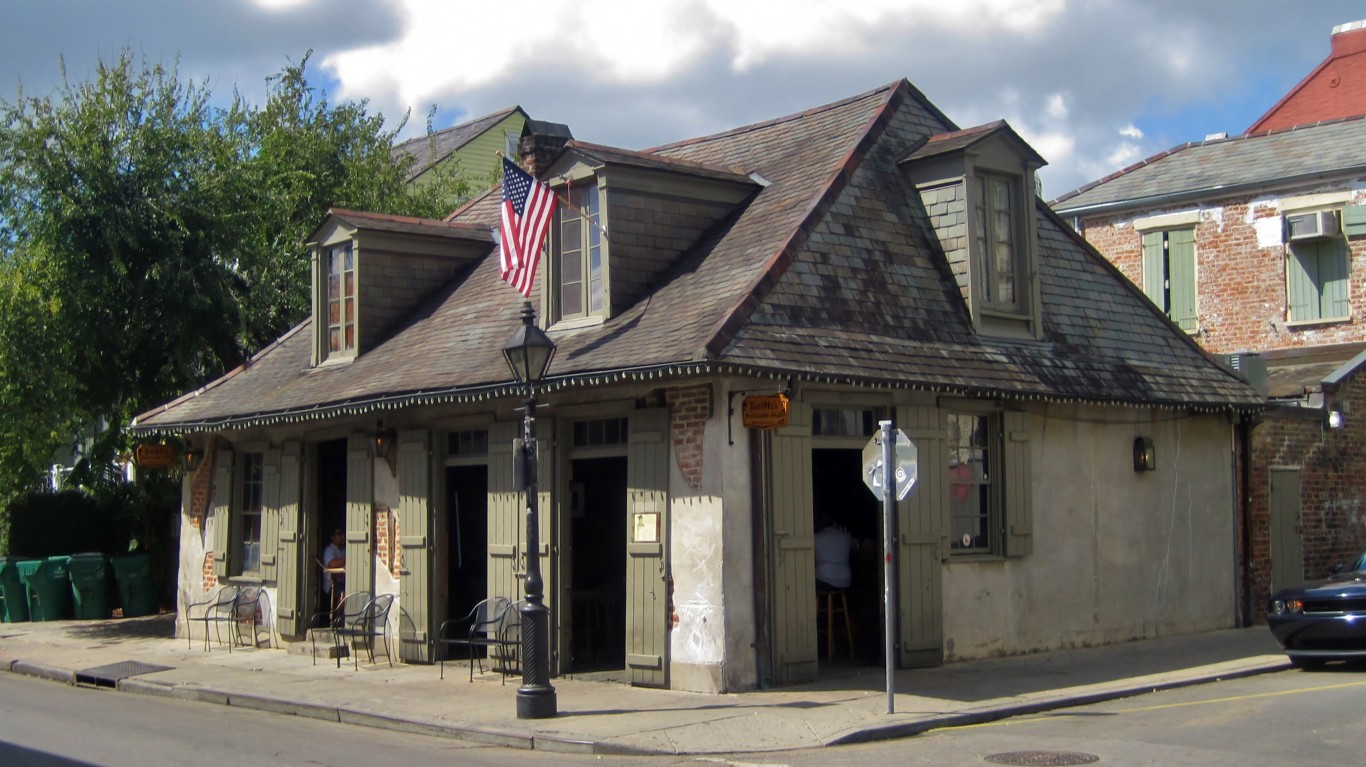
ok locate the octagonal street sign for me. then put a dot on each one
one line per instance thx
(904, 468)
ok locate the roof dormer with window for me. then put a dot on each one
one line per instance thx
(629, 217)
(977, 186)
(371, 270)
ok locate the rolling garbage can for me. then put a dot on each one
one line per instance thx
(133, 573)
(49, 588)
(90, 584)
(13, 590)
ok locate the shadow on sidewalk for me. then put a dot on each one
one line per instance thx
(115, 629)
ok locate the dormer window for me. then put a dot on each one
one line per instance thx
(579, 266)
(341, 300)
(996, 233)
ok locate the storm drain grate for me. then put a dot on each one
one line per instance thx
(1043, 758)
(109, 676)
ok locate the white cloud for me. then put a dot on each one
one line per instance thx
(1131, 131)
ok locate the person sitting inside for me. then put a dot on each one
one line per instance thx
(832, 556)
(334, 558)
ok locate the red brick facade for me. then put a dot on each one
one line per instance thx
(689, 409)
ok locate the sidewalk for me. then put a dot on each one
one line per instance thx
(848, 706)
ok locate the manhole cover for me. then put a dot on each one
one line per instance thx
(109, 676)
(1043, 758)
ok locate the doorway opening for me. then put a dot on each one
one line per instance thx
(331, 515)
(597, 589)
(467, 507)
(840, 498)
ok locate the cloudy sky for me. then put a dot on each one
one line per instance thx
(1093, 85)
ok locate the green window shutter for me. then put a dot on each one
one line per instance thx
(1018, 512)
(1154, 278)
(287, 567)
(222, 505)
(1181, 279)
(270, 514)
(1333, 274)
(360, 508)
(1301, 283)
(415, 583)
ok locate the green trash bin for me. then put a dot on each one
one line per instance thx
(90, 585)
(133, 572)
(13, 590)
(49, 588)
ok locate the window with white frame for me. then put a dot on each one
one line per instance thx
(340, 285)
(1169, 274)
(579, 258)
(1317, 273)
(251, 484)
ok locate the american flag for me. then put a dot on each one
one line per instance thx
(528, 206)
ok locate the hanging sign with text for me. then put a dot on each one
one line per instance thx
(768, 411)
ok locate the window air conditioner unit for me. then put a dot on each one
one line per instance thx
(1312, 226)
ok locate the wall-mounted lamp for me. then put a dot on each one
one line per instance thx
(384, 443)
(191, 457)
(1336, 419)
(1145, 455)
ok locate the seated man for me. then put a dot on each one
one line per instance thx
(832, 556)
(334, 558)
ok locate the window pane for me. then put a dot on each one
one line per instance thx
(970, 490)
(334, 340)
(333, 286)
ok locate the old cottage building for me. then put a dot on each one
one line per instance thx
(867, 259)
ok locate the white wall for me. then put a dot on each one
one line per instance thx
(1118, 554)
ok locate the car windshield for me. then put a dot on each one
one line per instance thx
(1361, 561)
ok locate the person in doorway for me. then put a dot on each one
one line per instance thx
(334, 560)
(832, 555)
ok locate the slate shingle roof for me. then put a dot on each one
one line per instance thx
(829, 272)
(1225, 167)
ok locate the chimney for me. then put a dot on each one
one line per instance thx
(1349, 38)
(541, 144)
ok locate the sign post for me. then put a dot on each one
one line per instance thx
(889, 461)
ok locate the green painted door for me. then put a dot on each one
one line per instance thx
(414, 524)
(290, 558)
(922, 534)
(647, 526)
(1287, 548)
(792, 550)
(360, 505)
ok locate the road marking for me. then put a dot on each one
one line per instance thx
(1243, 697)
(729, 763)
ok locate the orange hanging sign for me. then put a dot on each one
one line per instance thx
(767, 411)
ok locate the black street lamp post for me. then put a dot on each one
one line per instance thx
(528, 354)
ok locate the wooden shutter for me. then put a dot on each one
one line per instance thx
(1184, 308)
(1301, 282)
(222, 515)
(270, 513)
(1018, 501)
(923, 544)
(414, 520)
(290, 547)
(647, 598)
(505, 514)
(1154, 269)
(360, 506)
(1333, 274)
(793, 586)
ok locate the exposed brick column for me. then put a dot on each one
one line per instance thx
(689, 409)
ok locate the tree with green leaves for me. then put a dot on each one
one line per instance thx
(150, 241)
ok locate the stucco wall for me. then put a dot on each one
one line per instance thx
(1118, 554)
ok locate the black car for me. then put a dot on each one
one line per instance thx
(1324, 620)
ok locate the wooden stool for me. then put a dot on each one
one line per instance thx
(828, 603)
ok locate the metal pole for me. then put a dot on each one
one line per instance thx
(888, 569)
(535, 698)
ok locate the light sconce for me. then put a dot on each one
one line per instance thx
(1336, 419)
(191, 457)
(1145, 455)
(384, 443)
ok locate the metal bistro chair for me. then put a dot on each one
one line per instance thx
(371, 622)
(329, 620)
(221, 608)
(494, 624)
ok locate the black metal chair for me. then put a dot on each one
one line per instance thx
(253, 610)
(222, 607)
(334, 617)
(369, 623)
(493, 625)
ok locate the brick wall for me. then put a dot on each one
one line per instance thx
(386, 539)
(1333, 489)
(689, 409)
(201, 495)
(1241, 284)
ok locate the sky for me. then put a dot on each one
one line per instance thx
(1092, 85)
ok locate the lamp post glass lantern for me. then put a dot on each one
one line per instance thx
(528, 353)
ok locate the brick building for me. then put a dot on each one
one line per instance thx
(1255, 245)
